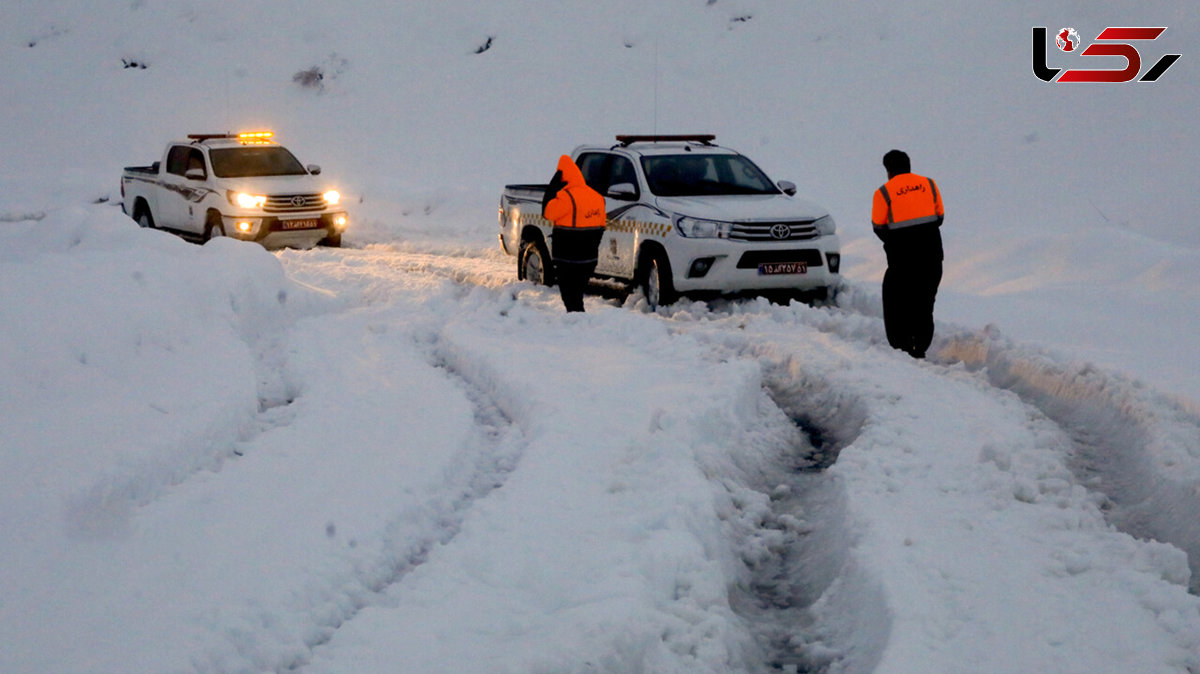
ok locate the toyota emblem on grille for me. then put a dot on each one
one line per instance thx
(299, 201)
(781, 231)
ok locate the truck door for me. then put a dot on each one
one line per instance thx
(181, 195)
(613, 176)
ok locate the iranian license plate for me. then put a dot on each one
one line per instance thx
(307, 223)
(772, 268)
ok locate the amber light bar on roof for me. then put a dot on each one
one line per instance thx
(255, 137)
(246, 138)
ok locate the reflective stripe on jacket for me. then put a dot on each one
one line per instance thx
(906, 200)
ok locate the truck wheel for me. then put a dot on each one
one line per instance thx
(213, 229)
(334, 241)
(534, 264)
(143, 217)
(657, 282)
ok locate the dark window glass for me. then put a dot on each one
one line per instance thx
(622, 172)
(694, 175)
(592, 165)
(196, 161)
(601, 171)
(177, 159)
(245, 162)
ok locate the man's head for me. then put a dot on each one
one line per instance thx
(896, 162)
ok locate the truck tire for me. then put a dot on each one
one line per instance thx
(333, 241)
(658, 284)
(143, 217)
(213, 229)
(534, 264)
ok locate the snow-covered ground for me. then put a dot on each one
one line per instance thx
(393, 457)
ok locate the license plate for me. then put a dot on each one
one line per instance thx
(771, 268)
(308, 223)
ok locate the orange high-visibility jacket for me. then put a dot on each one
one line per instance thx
(576, 205)
(906, 200)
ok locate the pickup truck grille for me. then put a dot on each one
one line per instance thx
(794, 230)
(294, 203)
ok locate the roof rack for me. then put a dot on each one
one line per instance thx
(706, 139)
(201, 137)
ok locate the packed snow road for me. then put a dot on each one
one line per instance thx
(789, 532)
(399, 459)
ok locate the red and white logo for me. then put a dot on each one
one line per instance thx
(1112, 41)
(1067, 39)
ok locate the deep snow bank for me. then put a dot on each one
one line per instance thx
(107, 320)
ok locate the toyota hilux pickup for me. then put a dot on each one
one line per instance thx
(685, 217)
(239, 185)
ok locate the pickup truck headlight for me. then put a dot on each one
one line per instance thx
(244, 200)
(695, 228)
(825, 225)
(332, 198)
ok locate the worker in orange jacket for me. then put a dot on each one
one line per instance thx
(907, 216)
(577, 212)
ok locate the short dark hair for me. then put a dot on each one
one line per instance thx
(896, 162)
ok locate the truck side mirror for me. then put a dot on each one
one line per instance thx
(194, 174)
(788, 187)
(622, 192)
(314, 169)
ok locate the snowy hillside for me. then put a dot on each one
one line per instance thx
(393, 457)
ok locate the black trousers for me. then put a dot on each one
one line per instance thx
(572, 279)
(909, 291)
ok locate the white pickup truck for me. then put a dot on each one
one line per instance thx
(238, 185)
(685, 216)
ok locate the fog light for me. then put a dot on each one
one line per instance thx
(339, 221)
(700, 267)
(835, 261)
(243, 227)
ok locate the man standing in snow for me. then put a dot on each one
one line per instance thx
(577, 212)
(907, 214)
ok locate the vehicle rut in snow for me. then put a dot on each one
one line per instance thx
(799, 546)
(107, 506)
(1125, 438)
(1128, 441)
(481, 470)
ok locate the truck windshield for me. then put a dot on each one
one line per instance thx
(695, 175)
(247, 162)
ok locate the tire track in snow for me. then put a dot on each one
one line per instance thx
(250, 637)
(105, 508)
(1134, 446)
(1123, 437)
(482, 469)
(478, 470)
(801, 545)
(792, 534)
(777, 598)
(797, 547)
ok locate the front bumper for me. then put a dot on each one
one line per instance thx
(296, 230)
(724, 266)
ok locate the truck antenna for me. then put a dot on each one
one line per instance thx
(656, 84)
